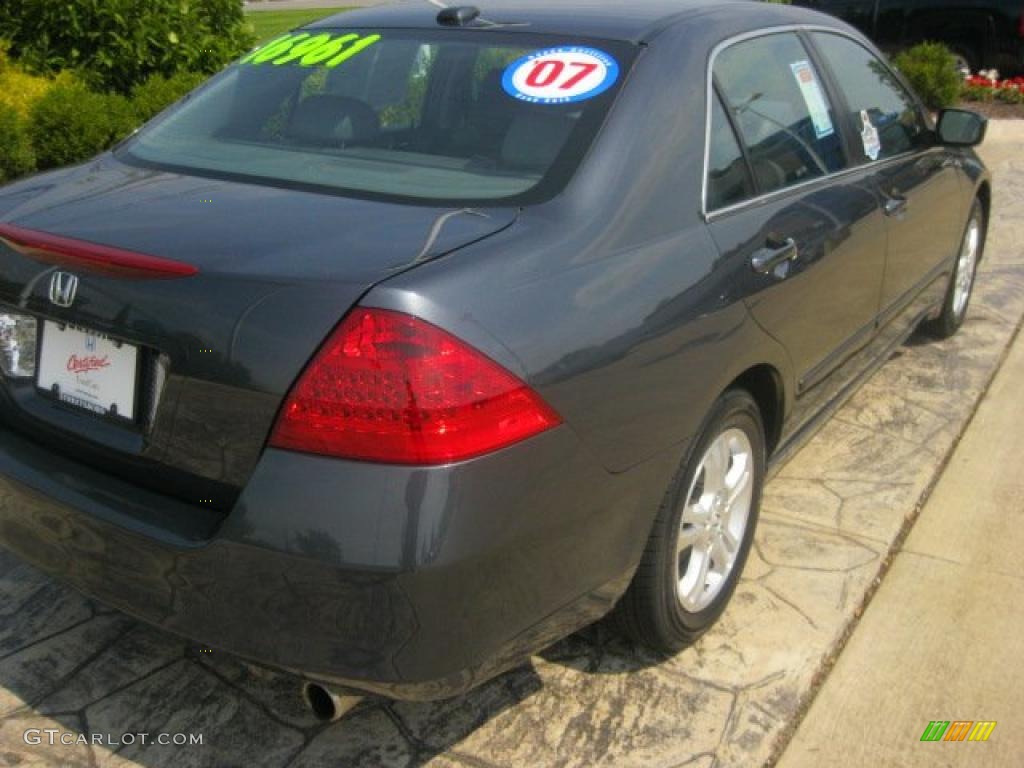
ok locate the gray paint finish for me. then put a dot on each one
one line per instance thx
(617, 300)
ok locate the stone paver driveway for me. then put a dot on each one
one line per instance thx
(830, 519)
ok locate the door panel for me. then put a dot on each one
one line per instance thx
(917, 183)
(816, 249)
(820, 306)
(925, 233)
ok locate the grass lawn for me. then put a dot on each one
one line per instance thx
(270, 23)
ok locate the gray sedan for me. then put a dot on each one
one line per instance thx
(420, 338)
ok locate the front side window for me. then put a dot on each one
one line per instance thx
(408, 115)
(781, 109)
(882, 112)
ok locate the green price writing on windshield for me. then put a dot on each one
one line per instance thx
(309, 50)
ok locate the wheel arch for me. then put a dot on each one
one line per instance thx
(764, 383)
(984, 195)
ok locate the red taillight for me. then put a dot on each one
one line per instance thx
(92, 257)
(389, 387)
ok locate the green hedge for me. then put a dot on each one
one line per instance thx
(102, 52)
(1010, 95)
(66, 122)
(159, 92)
(977, 93)
(16, 157)
(71, 123)
(931, 70)
(117, 44)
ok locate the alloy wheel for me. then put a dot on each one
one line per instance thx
(714, 519)
(965, 267)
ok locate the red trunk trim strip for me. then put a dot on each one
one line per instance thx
(92, 257)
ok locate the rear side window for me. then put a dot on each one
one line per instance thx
(882, 112)
(728, 177)
(432, 116)
(781, 109)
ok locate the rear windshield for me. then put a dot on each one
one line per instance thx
(456, 116)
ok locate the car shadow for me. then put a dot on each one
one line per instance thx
(918, 338)
(70, 664)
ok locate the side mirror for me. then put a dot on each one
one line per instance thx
(961, 128)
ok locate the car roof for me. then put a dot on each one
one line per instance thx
(630, 20)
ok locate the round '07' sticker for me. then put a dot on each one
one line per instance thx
(560, 75)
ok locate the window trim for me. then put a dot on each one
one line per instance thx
(761, 198)
(730, 123)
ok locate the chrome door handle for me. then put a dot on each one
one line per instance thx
(774, 253)
(895, 206)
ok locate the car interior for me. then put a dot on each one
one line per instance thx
(469, 121)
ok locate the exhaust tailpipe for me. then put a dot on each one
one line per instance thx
(327, 704)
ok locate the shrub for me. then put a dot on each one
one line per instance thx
(1010, 95)
(931, 70)
(158, 92)
(71, 123)
(16, 158)
(119, 43)
(18, 89)
(972, 92)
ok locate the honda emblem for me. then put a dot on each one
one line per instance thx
(63, 286)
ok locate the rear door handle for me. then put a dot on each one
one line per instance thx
(774, 253)
(895, 206)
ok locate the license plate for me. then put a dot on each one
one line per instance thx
(88, 370)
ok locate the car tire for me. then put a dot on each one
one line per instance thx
(700, 539)
(961, 281)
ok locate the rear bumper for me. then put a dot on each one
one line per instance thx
(413, 583)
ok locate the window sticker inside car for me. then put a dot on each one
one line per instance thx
(560, 75)
(869, 136)
(309, 50)
(810, 89)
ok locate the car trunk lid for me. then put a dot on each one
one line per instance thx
(224, 289)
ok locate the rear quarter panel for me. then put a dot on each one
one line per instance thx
(612, 299)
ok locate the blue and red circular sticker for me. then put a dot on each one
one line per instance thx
(560, 75)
